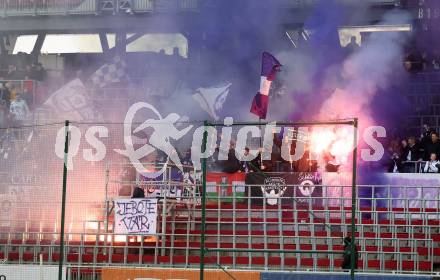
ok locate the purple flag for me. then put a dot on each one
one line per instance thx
(270, 65)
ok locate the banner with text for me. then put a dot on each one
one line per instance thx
(285, 187)
(136, 216)
(161, 186)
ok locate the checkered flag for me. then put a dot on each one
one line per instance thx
(113, 72)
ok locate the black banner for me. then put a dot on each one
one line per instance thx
(290, 187)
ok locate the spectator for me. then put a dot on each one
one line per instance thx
(413, 62)
(138, 192)
(395, 146)
(407, 65)
(4, 95)
(433, 147)
(28, 72)
(411, 152)
(19, 110)
(433, 165)
(248, 166)
(232, 164)
(3, 105)
(403, 145)
(21, 61)
(425, 138)
(31, 72)
(39, 73)
(13, 93)
(353, 45)
(213, 162)
(346, 264)
(13, 73)
(394, 164)
(186, 161)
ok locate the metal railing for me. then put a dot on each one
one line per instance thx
(189, 5)
(47, 7)
(393, 233)
(414, 166)
(416, 122)
(317, 254)
(88, 7)
(424, 95)
(308, 3)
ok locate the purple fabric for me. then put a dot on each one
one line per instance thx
(259, 105)
(269, 66)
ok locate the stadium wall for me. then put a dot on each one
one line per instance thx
(123, 273)
(189, 274)
(336, 276)
(29, 272)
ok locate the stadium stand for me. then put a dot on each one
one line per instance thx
(388, 238)
(239, 234)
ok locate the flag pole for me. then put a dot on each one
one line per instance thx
(261, 145)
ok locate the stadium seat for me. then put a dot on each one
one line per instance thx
(28, 256)
(133, 258)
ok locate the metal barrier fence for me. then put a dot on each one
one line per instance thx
(300, 238)
(244, 223)
(274, 189)
(388, 238)
(418, 166)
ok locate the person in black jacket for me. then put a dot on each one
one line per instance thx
(232, 164)
(391, 161)
(138, 192)
(432, 147)
(411, 152)
(425, 138)
(246, 166)
(346, 263)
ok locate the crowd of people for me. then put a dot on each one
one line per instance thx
(416, 61)
(17, 87)
(227, 161)
(408, 155)
(414, 155)
(21, 66)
